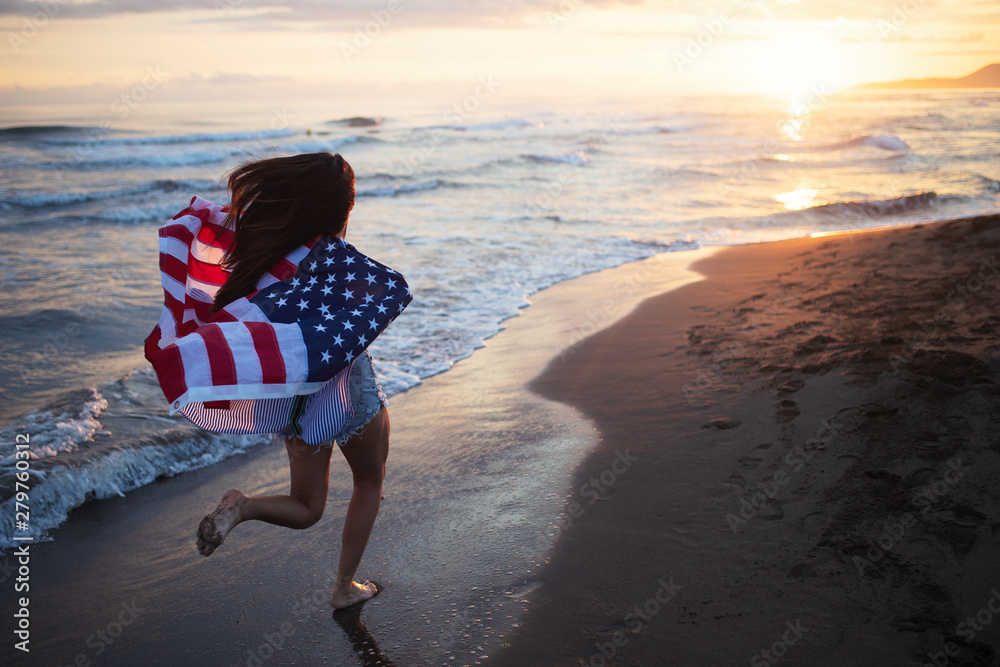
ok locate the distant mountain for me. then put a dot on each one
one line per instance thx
(987, 77)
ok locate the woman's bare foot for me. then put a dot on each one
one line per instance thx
(213, 528)
(353, 594)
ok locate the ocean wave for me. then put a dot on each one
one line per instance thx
(64, 482)
(685, 173)
(110, 215)
(145, 161)
(656, 129)
(53, 199)
(44, 319)
(98, 155)
(136, 214)
(392, 191)
(404, 174)
(677, 245)
(53, 433)
(989, 184)
(578, 158)
(75, 458)
(887, 142)
(495, 125)
(198, 138)
(394, 380)
(877, 207)
(23, 132)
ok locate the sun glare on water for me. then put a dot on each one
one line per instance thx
(798, 199)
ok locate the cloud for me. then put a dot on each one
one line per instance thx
(228, 78)
(348, 14)
(439, 12)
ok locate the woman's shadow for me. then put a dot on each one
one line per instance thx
(364, 644)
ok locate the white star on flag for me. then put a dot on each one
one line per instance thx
(193, 351)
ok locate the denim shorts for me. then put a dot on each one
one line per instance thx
(367, 398)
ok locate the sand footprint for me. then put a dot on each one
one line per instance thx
(787, 411)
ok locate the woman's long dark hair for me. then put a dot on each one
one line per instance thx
(277, 205)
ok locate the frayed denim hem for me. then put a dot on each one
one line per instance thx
(346, 434)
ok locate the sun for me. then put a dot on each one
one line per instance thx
(796, 63)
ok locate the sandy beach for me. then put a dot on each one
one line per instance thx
(810, 462)
(479, 468)
(793, 461)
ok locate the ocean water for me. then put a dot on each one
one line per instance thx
(478, 211)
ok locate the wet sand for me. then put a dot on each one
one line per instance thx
(798, 463)
(478, 468)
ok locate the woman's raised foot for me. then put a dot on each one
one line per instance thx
(213, 528)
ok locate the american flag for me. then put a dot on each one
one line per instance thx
(308, 319)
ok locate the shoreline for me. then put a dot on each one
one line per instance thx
(478, 462)
(121, 362)
(482, 480)
(810, 461)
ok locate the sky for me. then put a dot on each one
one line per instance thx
(85, 51)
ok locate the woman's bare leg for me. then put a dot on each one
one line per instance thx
(310, 476)
(366, 453)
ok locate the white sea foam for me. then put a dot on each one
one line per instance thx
(887, 142)
(496, 125)
(114, 473)
(195, 138)
(398, 190)
(52, 433)
(493, 210)
(578, 158)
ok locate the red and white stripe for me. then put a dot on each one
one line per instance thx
(237, 353)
